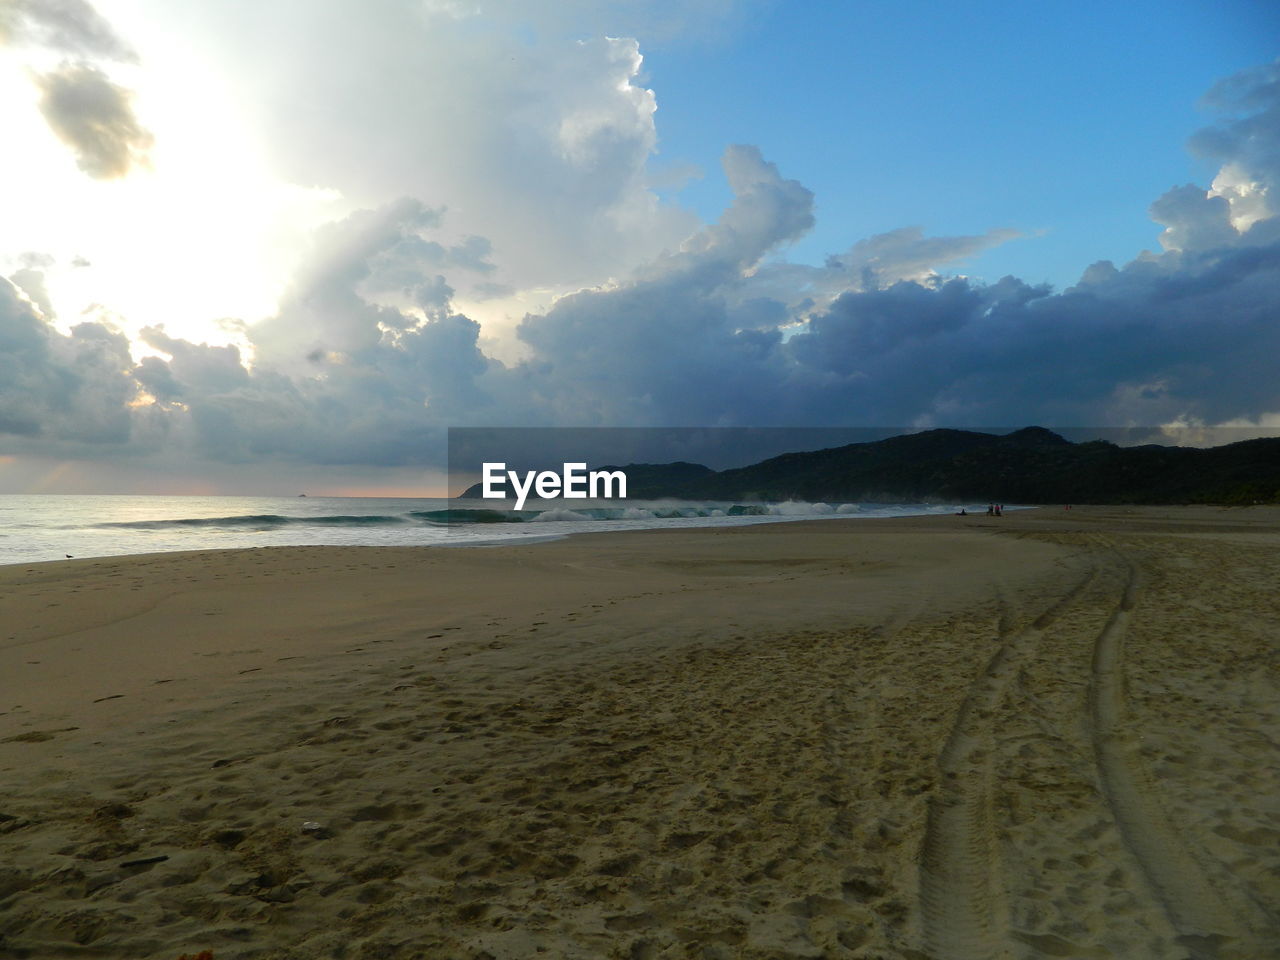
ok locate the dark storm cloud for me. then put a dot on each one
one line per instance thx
(1145, 344)
(367, 361)
(95, 118)
(1140, 345)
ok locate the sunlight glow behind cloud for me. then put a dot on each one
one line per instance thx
(204, 231)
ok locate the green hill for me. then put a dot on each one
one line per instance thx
(1032, 465)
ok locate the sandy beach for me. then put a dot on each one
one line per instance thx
(1053, 734)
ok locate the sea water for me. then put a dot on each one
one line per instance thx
(49, 527)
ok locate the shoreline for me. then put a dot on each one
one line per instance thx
(1085, 512)
(770, 740)
(240, 532)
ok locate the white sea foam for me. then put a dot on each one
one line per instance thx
(559, 515)
(799, 508)
(39, 527)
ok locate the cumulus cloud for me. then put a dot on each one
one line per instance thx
(61, 391)
(1193, 219)
(84, 108)
(1247, 143)
(336, 377)
(95, 118)
(1240, 205)
(368, 359)
(541, 146)
(71, 27)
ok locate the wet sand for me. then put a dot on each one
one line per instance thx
(1053, 734)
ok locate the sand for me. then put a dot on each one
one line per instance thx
(1048, 735)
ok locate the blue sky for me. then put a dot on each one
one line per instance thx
(1061, 120)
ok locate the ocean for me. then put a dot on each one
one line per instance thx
(40, 527)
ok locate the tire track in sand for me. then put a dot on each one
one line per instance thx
(1214, 919)
(962, 906)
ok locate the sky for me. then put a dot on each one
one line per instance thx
(254, 247)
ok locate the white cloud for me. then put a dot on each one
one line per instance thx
(533, 138)
(1246, 142)
(67, 27)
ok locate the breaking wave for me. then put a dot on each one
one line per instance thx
(268, 521)
(650, 510)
